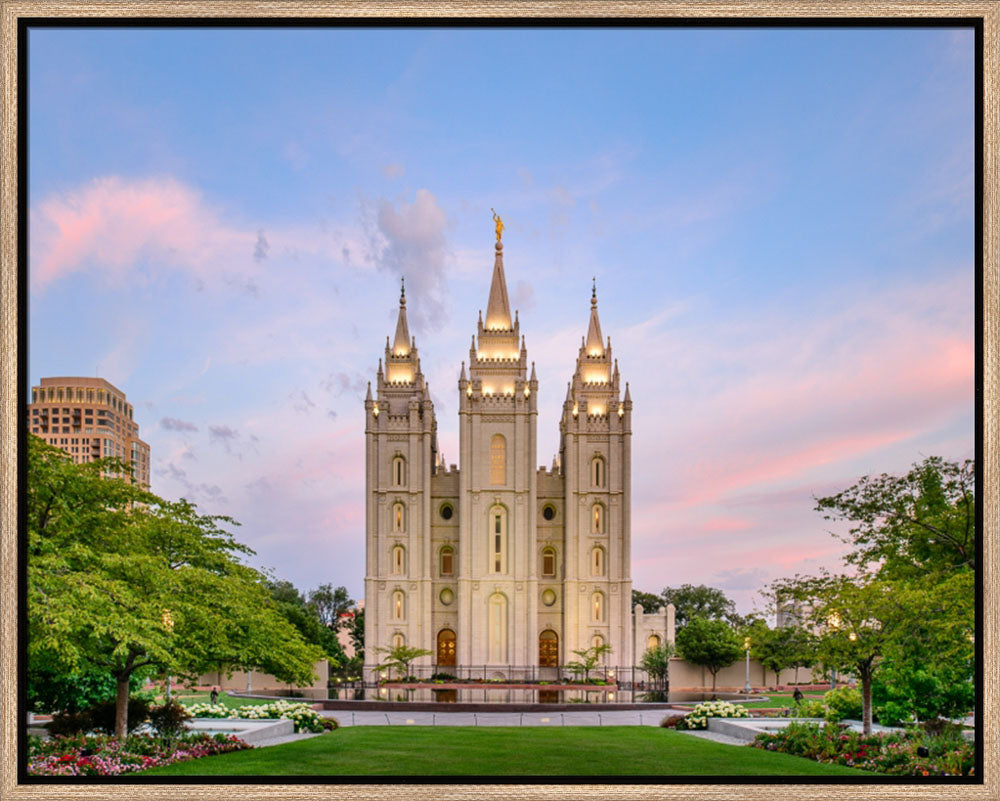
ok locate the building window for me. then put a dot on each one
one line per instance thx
(597, 607)
(398, 640)
(497, 629)
(548, 649)
(597, 472)
(498, 460)
(653, 642)
(596, 642)
(399, 471)
(447, 511)
(398, 605)
(447, 560)
(549, 511)
(398, 560)
(597, 562)
(548, 562)
(498, 539)
(398, 517)
(597, 519)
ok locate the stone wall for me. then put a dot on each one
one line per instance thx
(263, 681)
(685, 676)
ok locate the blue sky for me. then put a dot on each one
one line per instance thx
(780, 222)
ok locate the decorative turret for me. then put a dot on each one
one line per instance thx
(595, 344)
(401, 344)
(498, 308)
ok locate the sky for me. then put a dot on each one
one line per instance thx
(780, 223)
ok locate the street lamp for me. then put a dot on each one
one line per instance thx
(746, 645)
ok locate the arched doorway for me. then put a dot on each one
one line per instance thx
(446, 648)
(548, 649)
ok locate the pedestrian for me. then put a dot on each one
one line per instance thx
(797, 696)
(214, 695)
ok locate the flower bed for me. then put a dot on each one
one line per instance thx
(698, 717)
(302, 715)
(103, 755)
(909, 753)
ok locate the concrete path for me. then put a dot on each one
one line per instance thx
(715, 737)
(587, 717)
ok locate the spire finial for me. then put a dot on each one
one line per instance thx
(402, 290)
(593, 293)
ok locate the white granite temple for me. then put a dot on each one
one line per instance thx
(497, 564)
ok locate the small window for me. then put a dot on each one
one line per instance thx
(399, 471)
(447, 511)
(398, 640)
(498, 540)
(653, 642)
(447, 560)
(398, 605)
(597, 472)
(597, 607)
(398, 560)
(398, 517)
(549, 562)
(549, 511)
(498, 460)
(597, 519)
(597, 562)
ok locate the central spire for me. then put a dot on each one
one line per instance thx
(498, 309)
(401, 342)
(595, 342)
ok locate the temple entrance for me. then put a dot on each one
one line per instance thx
(548, 649)
(446, 648)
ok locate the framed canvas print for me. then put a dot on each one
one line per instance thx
(428, 401)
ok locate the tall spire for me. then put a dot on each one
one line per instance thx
(401, 343)
(498, 308)
(595, 344)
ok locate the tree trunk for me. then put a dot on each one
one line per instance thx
(866, 700)
(714, 674)
(121, 706)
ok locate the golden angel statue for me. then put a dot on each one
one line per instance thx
(499, 224)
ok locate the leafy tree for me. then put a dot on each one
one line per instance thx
(589, 659)
(780, 648)
(303, 616)
(909, 525)
(656, 662)
(400, 657)
(120, 580)
(330, 604)
(692, 601)
(650, 601)
(357, 629)
(711, 644)
(58, 691)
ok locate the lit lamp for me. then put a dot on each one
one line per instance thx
(746, 645)
(375, 410)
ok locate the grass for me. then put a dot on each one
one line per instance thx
(503, 751)
(781, 700)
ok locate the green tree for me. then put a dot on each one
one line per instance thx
(711, 644)
(303, 615)
(399, 657)
(656, 662)
(691, 601)
(780, 648)
(357, 629)
(589, 658)
(649, 601)
(330, 604)
(120, 580)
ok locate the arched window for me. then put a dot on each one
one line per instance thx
(597, 519)
(497, 633)
(653, 642)
(399, 471)
(548, 562)
(398, 560)
(498, 460)
(596, 642)
(398, 605)
(597, 562)
(398, 517)
(548, 649)
(447, 560)
(597, 607)
(498, 539)
(398, 640)
(597, 472)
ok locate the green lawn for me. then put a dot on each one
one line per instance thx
(225, 700)
(503, 751)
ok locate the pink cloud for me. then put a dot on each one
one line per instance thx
(112, 224)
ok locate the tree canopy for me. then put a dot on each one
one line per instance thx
(711, 644)
(691, 601)
(120, 580)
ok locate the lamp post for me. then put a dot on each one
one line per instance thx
(746, 645)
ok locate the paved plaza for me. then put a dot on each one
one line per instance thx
(621, 717)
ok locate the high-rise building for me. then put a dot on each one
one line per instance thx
(90, 419)
(496, 563)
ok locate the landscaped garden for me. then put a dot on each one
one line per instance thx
(505, 751)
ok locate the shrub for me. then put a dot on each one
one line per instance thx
(808, 709)
(698, 717)
(842, 703)
(102, 716)
(64, 724)
(301, 714)
(442, 677)
(671, 721)
(170, 719)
